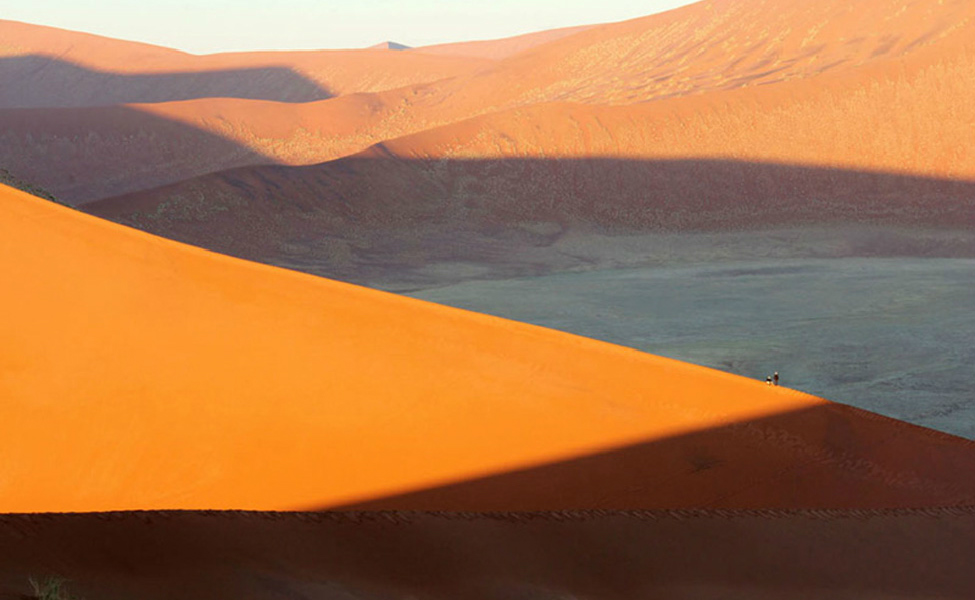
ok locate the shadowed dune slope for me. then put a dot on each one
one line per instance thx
(140, 374)
(373, 218)
(89, 153)
(855, 555)
(48, 67)
(82, 154)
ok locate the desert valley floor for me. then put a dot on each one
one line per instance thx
(890, 335)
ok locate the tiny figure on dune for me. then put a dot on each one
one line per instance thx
(768, 380)
(775, 378)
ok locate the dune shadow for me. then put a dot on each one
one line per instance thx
(37, 81)
(830, 456)
(579, 528)
(381, 218)
(84, 154)
(582, 554)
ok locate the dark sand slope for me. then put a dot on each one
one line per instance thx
(757, 555)
(184, 379)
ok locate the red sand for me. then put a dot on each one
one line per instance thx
(142, 374)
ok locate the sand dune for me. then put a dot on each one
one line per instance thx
(812, 61)
(879, 139)
(846, 555)
(184, 379)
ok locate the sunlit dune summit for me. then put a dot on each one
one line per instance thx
(139, 373)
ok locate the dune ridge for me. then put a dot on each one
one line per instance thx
(194, 380)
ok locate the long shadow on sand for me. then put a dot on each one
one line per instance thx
(36, 81)
(831, 456)
(666, 554)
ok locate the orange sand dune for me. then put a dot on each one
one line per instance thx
(903, 108)
(763, 555)
(138, 373)
(714, 45)
(501, 48)
(798, 87)
(48, 67)
(879, 147)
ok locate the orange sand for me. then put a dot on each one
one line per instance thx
(874, 85)
(138, 373)
(501, 48)
(335, 71)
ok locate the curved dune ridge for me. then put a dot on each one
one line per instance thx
(138, 373)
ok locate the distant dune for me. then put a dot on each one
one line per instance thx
(501, 48)
(389, 46)
(185, 379)
(711, 119)
(48, 67)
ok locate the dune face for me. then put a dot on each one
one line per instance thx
(191, 380)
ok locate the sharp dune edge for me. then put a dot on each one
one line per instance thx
(184, 379)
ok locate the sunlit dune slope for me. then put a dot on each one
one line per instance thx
(723, 44)
(48, 67)
(138, 373)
